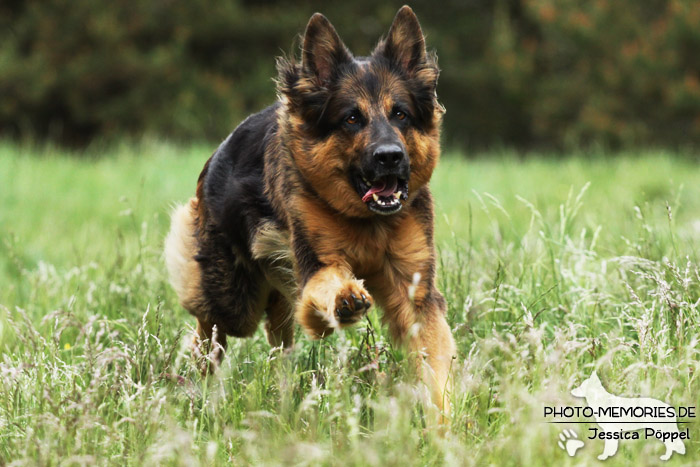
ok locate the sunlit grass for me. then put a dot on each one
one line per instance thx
(551, 268)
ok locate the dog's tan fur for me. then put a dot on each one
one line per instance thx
(180, 250)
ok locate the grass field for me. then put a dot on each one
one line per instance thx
(551, 268)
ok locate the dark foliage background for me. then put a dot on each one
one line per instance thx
(527, 73)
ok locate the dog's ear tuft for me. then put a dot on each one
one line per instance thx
(323, 51)
(404, 50)
(405, 44)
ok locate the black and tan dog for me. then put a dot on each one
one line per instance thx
(319, 205)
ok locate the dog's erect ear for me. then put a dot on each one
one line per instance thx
(594, 376)
(405, 44)
(323, 50)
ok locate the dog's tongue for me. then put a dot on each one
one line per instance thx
(384, 187)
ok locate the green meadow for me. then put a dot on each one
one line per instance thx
(552, 267)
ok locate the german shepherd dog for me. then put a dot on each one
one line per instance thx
(318, 206)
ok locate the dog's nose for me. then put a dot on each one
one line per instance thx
(388, 155)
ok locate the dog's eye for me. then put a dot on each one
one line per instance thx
(400, 114)
(352, 119)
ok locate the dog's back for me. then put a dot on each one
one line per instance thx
(208, 249)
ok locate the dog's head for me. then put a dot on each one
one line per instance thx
(363, 132)
(590, 386)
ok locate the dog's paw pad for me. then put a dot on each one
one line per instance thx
(568, 441)
(352, 303)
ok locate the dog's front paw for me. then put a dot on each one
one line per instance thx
(351, 303)
(326, 306)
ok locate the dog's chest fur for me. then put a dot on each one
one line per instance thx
(374, 249)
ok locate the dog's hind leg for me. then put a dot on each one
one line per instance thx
(279, 325)
(673, 446)
(185, 274)
(217, 284)
(208, 346)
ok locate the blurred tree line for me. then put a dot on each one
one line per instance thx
(529, 73)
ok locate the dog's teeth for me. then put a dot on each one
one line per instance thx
(375, 197)
(397, 195)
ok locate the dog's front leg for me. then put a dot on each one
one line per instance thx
(421, 324)
(609, 450)
(414, 308)
(332, 297)
(435, 347)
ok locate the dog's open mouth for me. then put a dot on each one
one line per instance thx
(383, 195)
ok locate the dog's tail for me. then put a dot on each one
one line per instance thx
(180, 251)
